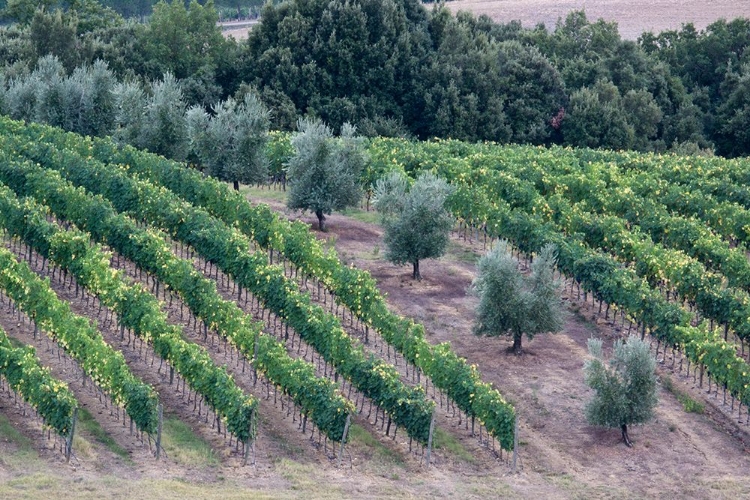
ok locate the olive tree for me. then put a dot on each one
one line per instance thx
(415, 219)
(513, 304)
(625, 390)
(166, 126)
(231, 143)
(92, 103)
(324, 171)
(130, 111)
(153, 120)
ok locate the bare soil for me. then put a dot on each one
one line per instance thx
(680, 454)
(633, 17)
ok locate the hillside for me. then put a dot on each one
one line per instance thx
(695, 448)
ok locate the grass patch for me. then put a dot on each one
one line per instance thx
(288, 448)
(442, 440)
(8, 433)
(49, 484)
(16, 343)
(82, 448)
(372, 255)
(363, 440)
(589, 325)
(460, 253)
(263, 194)
(184, 446)
(688, 404)
(330, 242)
(371, 217)
(16, 450)
(91, 427)
(305, 481)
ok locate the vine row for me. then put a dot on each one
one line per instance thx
(354, 288)
(230, 250)
(80, 339)
(316, 396)
(597, 272)
(50, 397)
(136, 308)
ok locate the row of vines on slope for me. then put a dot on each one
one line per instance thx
(354, 288)
(147, 248)
(610, 282)
(50, 397)
(641, 198)
(689, 278)
(231, 251)
(80, 339)
(136, 308)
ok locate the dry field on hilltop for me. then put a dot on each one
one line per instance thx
(633, 17)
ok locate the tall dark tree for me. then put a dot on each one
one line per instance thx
(596, 118)
(182, 40)
(339, 60)
(55, 34)
(733, 115)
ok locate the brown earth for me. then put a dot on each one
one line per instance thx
(680, 454)
(633, 17)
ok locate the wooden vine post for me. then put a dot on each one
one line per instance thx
(158, 431)
(69, 440)
(429, 438)
(249, 442)
(255, 360)
(343, 437)
(515, 442)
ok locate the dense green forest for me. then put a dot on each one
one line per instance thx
(394, 67)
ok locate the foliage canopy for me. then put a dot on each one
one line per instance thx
(415, 218)
(626, 389)
(324, 171)
(513, 304)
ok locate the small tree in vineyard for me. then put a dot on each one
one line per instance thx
(415, 220)
(626, 390)
(231, 144)
(324, 171)
(513, 304)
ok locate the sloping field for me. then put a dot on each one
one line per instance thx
(163, 260)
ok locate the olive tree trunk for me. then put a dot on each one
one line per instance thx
(517, 337)
(625, 437)
(321, 220)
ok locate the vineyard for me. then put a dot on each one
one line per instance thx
(166, 291)
(663, 272)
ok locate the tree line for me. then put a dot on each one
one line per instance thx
(397, 68)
